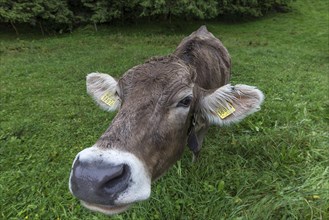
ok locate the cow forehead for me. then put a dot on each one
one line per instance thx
(156, 77)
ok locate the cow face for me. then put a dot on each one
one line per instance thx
(159, 105)
(154, 101)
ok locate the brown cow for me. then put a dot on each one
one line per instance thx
(164, 105)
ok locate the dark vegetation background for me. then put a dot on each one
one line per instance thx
(64, 15)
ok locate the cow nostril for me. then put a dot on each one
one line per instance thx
(117, 180)
(112, 173)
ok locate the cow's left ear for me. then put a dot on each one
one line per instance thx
(230, 104)
(104, 90)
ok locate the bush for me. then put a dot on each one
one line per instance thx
(253, 8)
(53, 13)
(62, 15)
(180, 8)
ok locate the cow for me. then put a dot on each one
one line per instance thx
(163, 105)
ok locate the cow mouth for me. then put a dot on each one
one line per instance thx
(106, 209)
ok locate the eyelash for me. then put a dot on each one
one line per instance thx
(186, 102)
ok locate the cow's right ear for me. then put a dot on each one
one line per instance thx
(103, 88)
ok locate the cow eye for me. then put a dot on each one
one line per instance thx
(186, 102)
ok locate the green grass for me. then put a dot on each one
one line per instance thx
(273, 165)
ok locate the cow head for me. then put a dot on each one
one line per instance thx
(162, 105)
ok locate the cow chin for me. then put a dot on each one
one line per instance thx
(109, 180)
(106, 209)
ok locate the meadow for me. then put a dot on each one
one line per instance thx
(273, 165)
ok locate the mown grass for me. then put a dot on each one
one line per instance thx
(273, 165)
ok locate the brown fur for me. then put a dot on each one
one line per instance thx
(208, 56)
(148, 123)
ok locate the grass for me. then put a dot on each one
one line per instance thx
(273, 165)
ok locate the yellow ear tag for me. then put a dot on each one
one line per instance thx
(108, 99)
(223, 113)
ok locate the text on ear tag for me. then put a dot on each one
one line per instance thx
(108, 99)
(223, 113)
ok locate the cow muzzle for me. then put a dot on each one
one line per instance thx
(108, 181)
(99, 183)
